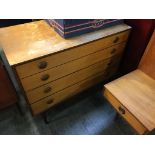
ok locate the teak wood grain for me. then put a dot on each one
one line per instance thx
(136, 92)
(26, 42)
(56, 98)
(71, 54)
(71, 79)
(131, 119)
(34, 81)
(51, 69)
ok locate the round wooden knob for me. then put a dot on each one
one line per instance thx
(50, 101)
(45, 77)
(42, 65)
(109, 63)
(113, 51)
(116, 40)
(47, 90)
(121, 110)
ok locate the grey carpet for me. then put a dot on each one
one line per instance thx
(87, 114)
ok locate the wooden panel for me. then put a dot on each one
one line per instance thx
(136, 92)
(50, 101)
(68, 68)
(71, 54)
(137, 125)
(31, 41)
(147, 64)
(71, 79)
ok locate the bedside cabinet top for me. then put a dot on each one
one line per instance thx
(34, 40)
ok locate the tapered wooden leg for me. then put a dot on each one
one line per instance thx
(46, 118)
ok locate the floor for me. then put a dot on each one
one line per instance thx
(86, 114)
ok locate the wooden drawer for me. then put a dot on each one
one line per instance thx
(136, 124)
(50, 101)
(54, 60)
(57, 85)
(45, 77)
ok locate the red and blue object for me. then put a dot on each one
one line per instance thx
(74, 27)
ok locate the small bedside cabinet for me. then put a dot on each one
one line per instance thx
(133, 95)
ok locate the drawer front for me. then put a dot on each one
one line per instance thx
(50, 101)
(45, 77)
(54, 60)
(55, 86)
(136, 124)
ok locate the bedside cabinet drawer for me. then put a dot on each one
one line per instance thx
(62, 57)
(54, 99)
(45, 77)
(136, 124)
(57, 85)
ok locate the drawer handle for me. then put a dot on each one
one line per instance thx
(42, 65)
(121, 110)
(47, 90)
(50, 101)
(116, 40)
(45, 77)
(109, 63)
(113, 51)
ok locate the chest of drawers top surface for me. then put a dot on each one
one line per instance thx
(34, 40)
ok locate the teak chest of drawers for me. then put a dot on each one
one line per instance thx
(51, 69)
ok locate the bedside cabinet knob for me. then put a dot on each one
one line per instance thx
(121, 110)
(42, 65)
(116, 40)
(45, 77)
(47, 90)
(113, 51)
(109, 63)
(50, 101)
